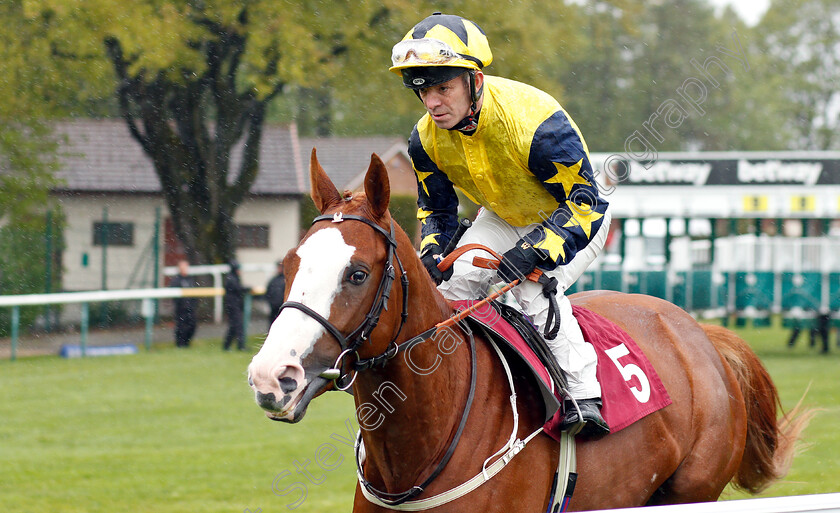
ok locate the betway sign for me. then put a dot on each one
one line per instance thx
(667, 172)
(776, 171)
(726, 172)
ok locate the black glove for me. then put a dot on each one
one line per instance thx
(428, 259)
(518, 262)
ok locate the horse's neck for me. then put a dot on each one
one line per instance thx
(413, 406)
(408, 410)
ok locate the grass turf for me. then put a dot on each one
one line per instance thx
(165, 431)
(177, 431)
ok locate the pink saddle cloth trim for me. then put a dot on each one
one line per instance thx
(624, 401)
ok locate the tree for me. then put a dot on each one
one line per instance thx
(26, 165)
(27, 149)
(27, 162)
(600, 77)
(363, 97)
(195, 79)
(637, 55)
(802, 41)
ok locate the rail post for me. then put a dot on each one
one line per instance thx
(15, 330)
(247, 316)
(48, 250)
(147, 309)
(83, 329)
(156, 260)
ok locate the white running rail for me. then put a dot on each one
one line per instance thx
(828, 502)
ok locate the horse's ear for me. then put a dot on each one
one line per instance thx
(377, 187)
(324, 192)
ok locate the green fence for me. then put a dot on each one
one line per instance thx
(746, 297)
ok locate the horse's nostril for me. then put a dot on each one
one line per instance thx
(287, 385)
(250, 380)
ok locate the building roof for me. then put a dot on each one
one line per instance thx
(345, 158)
(101, 156)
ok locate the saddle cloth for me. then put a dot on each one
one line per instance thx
(630, 386)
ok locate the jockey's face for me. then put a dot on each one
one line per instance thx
(448, 103)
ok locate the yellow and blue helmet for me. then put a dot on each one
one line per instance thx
(438, 49)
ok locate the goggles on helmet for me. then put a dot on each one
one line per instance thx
(423, 52)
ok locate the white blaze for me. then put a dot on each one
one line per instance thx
(323, 260)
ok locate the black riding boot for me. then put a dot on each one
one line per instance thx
(591, 411)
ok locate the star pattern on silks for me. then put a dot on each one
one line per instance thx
(583, 216)
(552, 243)
(432, 238)
(423, 215)
(568, 176)
(421, 176)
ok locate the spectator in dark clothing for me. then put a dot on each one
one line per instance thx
(821, 328)
(185, 307)
(275, 291)
(235, 308)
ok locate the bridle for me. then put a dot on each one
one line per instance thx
(351, 342)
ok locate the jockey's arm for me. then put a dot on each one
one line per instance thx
(437, 201)
(561, 162)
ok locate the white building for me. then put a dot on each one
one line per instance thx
(108, 186)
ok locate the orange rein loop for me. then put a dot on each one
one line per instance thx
(456, 253)
(484, 263)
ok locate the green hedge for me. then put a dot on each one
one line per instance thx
(404, 212)
(23, 268)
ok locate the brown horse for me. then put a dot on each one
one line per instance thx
(342, 312)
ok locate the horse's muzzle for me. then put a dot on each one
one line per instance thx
(288, 408)
(270, 403)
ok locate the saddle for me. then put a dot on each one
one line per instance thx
(631, 388)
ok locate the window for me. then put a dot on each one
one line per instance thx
(118, 234)
(252, 236)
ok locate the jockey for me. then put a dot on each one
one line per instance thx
(512, 149)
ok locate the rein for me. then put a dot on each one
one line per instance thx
(395, 499)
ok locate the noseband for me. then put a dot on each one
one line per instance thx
(351, 342)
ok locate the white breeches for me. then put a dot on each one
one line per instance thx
(574, 355)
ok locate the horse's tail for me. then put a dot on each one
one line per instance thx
(771, 441)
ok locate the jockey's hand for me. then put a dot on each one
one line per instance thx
(518, 262)
(430, 262)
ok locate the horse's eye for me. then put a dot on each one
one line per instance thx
(358, 277)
